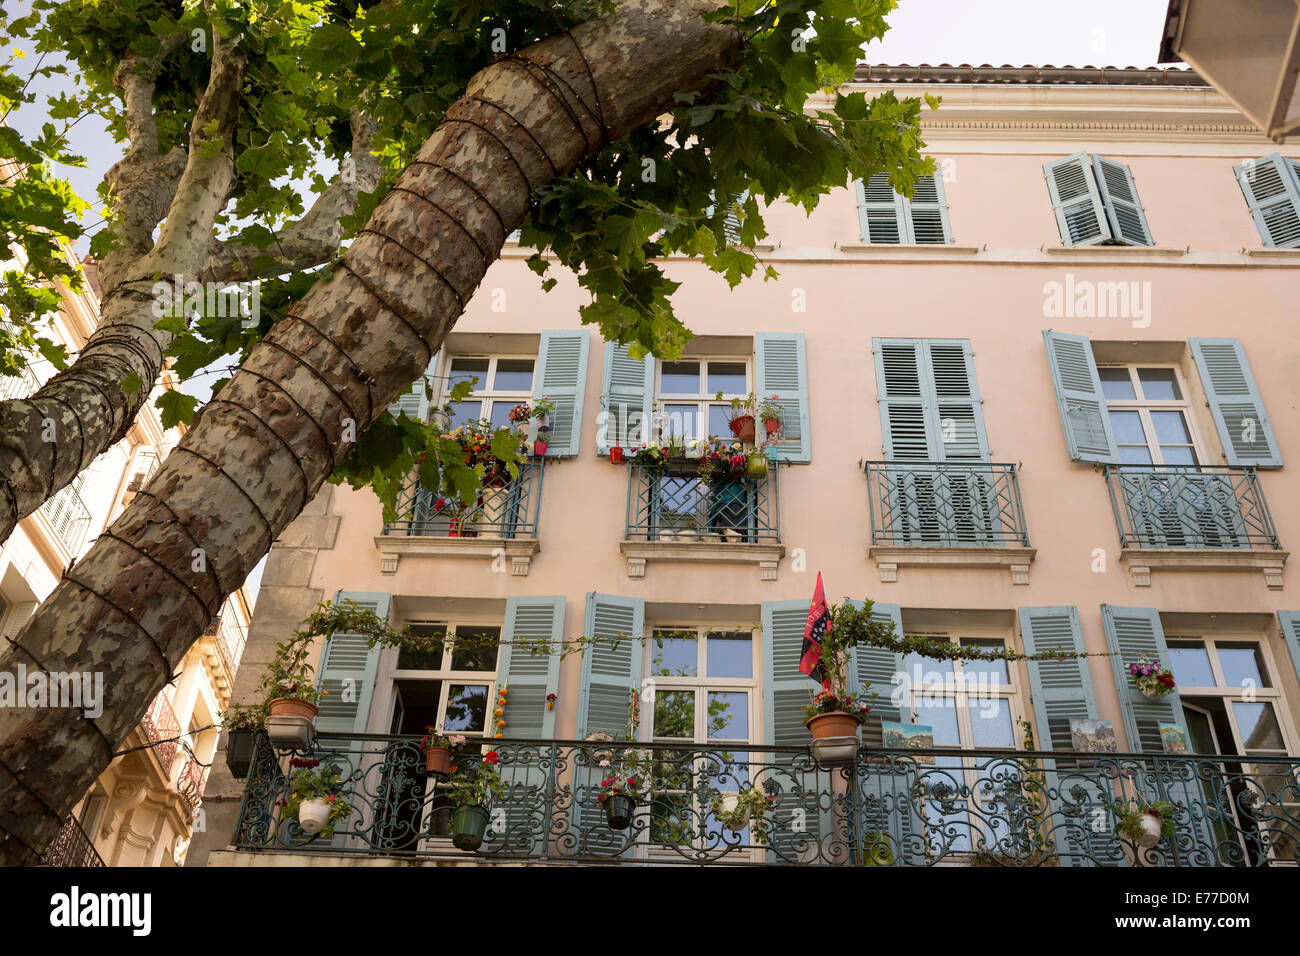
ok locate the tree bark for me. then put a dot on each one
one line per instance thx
(263, 447)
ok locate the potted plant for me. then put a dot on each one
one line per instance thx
(618, 792)
(242, 724)
(291, 694)
(756, 466)
(520, 416)
(1153, 680)
(314, 797)
(651, 457)
(436, 747)
(749, 808)
(474, 788)
(769, 412)
(1145, 824)
(740, 417)
(542, 409)
(616, 455)
(835, 714)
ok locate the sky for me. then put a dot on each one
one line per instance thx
(996, 32)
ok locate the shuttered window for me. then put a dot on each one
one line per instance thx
(1271, 186)
(930, 407)
(890, 218)
(1235, 403)
(1096, 202)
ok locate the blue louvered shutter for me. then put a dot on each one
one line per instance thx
(927, 213)
(876, 666)
(562, 377)
(955, 400)
(1290, 623)
(611, 674)
(1076, 200)
(1134, 634)
(882, 216)
(529, 677)
(1079, 398)
(1128, 220)
(626, 396)
(347, 671)
(905, 403)
(781, 369)
(1235, 403)
(1271, 186)
(415, 400)
(1062, 691)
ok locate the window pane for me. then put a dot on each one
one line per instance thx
(462, 412)
(677, 657)
(675, 714)
(1190, 664)
(988, 672)
(501, 414)
(1177, 455)
(1258, 726)
(412, 660)
(727, 378)
(467, 707)
(463, 370)
(1242, 665)
(680, 378)
(514, 375)
(730, 654)
(718, 426)
(1127, 427)
(680, 420)
(1170, 428)
(926, 666)
(1134, 455)
(990, 720)
(1116, 383)
(1159, 384)
(941, 716)
(728, 715)
(475, 648)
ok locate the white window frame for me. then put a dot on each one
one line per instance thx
(702, 399)
(447, 675)
(484, 392)
(1145, 406)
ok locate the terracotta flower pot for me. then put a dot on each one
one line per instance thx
(437, 760)
(773, 425)
(619, 808)
(742, 426)
(468, 824)
(539, 448)
(313, 815)
(835, 724)
(292, 707)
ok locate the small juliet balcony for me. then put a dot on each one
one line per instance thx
(947, 514)
(1209, 518)
(675, 515)
(501, 523)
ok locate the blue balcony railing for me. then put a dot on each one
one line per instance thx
(1206, 507)
(504, 508)
(945, 504)
(673, 504)
(887, 807)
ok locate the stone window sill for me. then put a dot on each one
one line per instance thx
(518, 551)
(1142, 561)
(889, 558)
(767, 556)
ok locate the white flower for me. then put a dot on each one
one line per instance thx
(604, 763)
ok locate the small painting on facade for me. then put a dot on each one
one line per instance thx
(1174, 737)
(911, 737)
(1092, 736)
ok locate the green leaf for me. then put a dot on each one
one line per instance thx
(176, 407)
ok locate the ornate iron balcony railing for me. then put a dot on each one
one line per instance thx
(191, 781)
(673, 504)
(945, 503)
(888, 807)
(161, 728)
(1204, 507)
(506, 508)
(71, 846)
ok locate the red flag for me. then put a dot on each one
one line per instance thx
(819, 624)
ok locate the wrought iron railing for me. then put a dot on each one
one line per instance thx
(887, 807)
(162, 729)
(672, 503)
(1203, 507)
(191, 781)
(69, 516)
(945, 503)
(71, 846)
(505, 508)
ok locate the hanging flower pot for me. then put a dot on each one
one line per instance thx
(468, 824)
(836, 724)
(773, 425)
(742, 426)
(1150, 835)
(437, 760)
(539, 448)
(292, 707)
(616, 455)
(756, 467)
(239, 752)
(1150, 694)
(619, 808)
(313, 815)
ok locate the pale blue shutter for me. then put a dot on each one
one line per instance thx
(876, 666)
(1290, 622)
(527, 771)
(1062, 691)
(781, 369)
(415, 400)
(955, 399)
(927, 213)
(1076, 200)
(562, 377)
(1235, 403)
(347, 671)
(611, 675)
(626, 397)
(1128, 220)
(882, 216)
(905, 409)
(1271, 186)
(1079, 398)
(1135, 634)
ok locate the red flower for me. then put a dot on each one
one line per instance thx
(452, 768)
(492, 757)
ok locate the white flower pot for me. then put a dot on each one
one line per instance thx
(1150, 831)
(729, 802)
(313, 815)
(1152, 694)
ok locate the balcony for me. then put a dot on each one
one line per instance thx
(1209, 518)
(947, 514)
(888, 808)
(162, 729)
(72, 847)
(674, 515)
(502, 522)
(191, 781)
